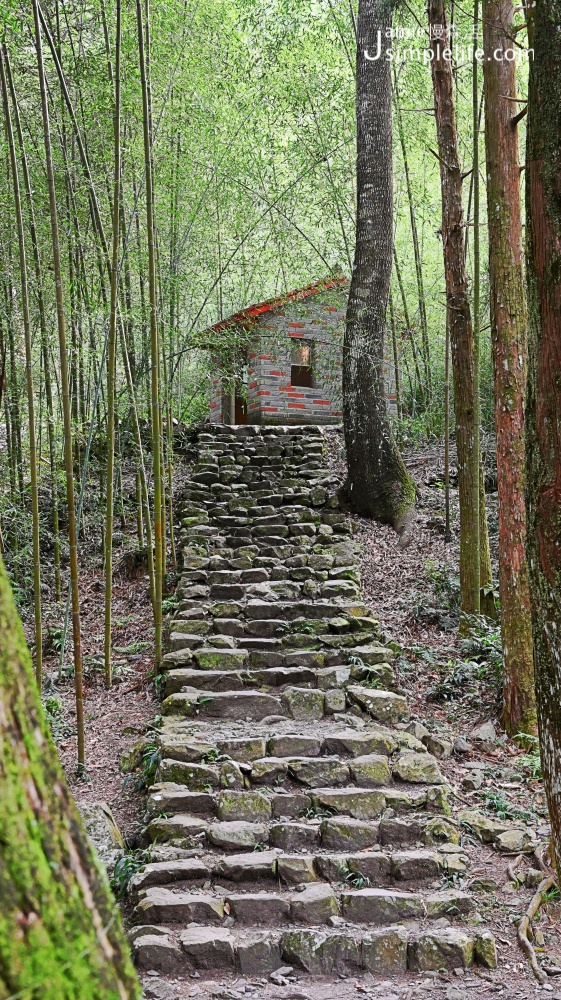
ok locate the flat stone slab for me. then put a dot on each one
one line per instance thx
(383, 705)
(248, 867)
(162, 872)
(359, 803)
(209, 948)
(164, 906)
(221, 659)
(380, 906)
(168, 797)
(223, 704)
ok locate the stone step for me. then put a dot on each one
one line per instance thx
(295, 702)
(378, 869)
(314, 905)
(314, 740)
(293, 810)
(367, 771)
(270, 668)
(359, 823)
(387, 951)
(308, 610)
(237, 680)
(185, 634)
(223, 704)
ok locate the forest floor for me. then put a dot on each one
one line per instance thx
(452, 686)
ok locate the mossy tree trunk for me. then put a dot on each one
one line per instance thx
(509, 341)
(543, 406)
(60, 931)
(378, 484)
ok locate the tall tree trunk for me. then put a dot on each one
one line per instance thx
(447, 525)
(59, 927)
(409, 328)
(154, 340)
(486, 594)
(42, 326)
(395, 360)
(543, 406)
(457, 310)
(112, 352)
(508, 330)
(477, 472)
(14, 387)
(378, 484)
(67, 416)
(28, 374)
(416, 248)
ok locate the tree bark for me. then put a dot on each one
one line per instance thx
(509, 342)
(543, 407)
(457, 309)
(479, 493)
(378, 484)
(60, 930)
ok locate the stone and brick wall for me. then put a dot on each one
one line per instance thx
(318, 318)
(271, 396)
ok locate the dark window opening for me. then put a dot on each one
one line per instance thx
(302, 367)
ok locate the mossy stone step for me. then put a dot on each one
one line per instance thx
(237, 680)
(221, 659)
(375, 868)
(382, 705)
(314, 905)
(340, 832)
(384, 951)
(223, 705)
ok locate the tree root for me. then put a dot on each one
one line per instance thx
(511, 869)
(524, 926)
(406, 529)
(539, 854)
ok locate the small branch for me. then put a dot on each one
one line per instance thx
(522, 935)
(517, 100)
(439, 158)
(517, 118)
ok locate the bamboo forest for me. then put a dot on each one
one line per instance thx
(280, 499)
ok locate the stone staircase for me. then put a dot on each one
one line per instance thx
(295, 819)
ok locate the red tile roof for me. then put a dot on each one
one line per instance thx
(248, 318)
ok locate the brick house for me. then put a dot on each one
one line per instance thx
(288, 354)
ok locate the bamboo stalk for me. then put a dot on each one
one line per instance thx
(67, 418)
(111, 352)
(28, 374)
(154, 339)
